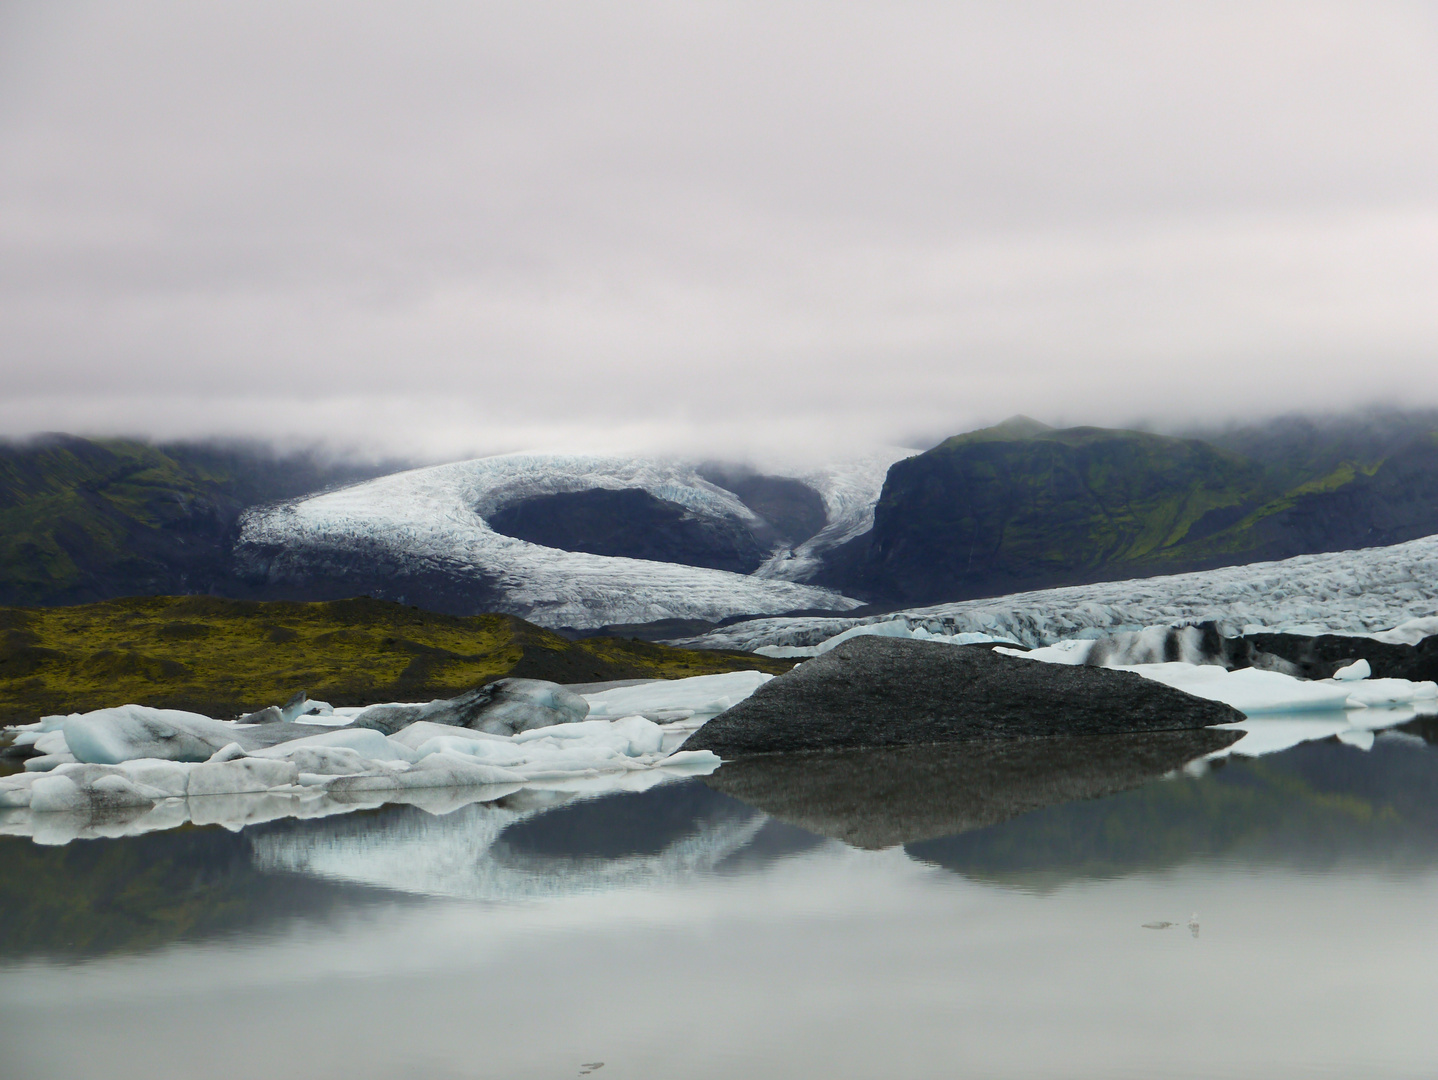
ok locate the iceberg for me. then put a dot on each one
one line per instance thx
(141, 768)
(702, 695)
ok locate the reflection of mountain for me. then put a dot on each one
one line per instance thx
(106, 896)
(879, 798)
(1314, 806)
(504, 851)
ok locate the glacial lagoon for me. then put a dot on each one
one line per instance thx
(1179, 911)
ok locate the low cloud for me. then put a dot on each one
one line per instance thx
(478, 228)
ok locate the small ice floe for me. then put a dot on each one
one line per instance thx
(1358, 728)
(1165, 925)
(680, 700)
(161, 765)
(1256, 691)
(1359, 669)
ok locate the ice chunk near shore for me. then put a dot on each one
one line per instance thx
(110, 736)
(700, 694)
(166, 767)
(1249, 690)
(1274, 732)
(1254, 691)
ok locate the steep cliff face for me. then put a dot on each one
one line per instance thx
(1022, 506)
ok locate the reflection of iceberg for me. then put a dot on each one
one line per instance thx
(1271, 734)
(467, 854)
(879, 798)
(147, 891)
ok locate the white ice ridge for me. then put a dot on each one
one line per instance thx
(431, 521)
(850, 490)
(113, 765)
(1347, 592)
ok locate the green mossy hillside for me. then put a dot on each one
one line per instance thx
(224, 657)
(1023, 506)
(87, 519)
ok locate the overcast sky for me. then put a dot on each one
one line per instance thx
(437, 229)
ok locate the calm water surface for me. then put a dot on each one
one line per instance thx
(910, 914)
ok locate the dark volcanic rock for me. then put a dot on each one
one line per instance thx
(878, 798)
(873, 691)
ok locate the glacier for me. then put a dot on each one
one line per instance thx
(850, 490)
(430, 523)
(1390, 593)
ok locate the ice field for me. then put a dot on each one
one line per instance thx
(432, 521)
(1371, 590)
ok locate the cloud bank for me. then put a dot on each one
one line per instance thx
(453, 228)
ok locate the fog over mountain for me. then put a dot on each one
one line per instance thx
(470, 228)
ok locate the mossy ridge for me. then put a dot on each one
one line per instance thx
(86, 519)
(1022, 506)
(224, 657)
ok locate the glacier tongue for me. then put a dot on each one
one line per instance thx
(1346, 592)
(850, 490)
(430, 523)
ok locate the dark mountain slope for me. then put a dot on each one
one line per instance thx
(632, 523)
(1022, 506)
(85, 519)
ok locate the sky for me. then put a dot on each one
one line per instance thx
(438, 229)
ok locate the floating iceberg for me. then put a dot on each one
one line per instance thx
(134, 768)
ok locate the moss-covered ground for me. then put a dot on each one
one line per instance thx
(224, 657)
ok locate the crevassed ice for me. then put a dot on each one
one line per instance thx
(432, 520)
(1389, 592)
(850, 490)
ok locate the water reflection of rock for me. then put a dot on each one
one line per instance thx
(880, 798)
(1316, 807)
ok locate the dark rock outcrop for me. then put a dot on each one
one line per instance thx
(873, 691)
(879, 798)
